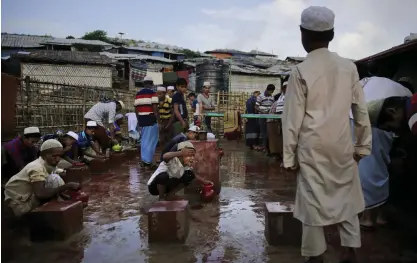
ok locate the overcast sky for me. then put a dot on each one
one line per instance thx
(363, 27)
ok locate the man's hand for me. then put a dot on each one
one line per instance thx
(187, 152)
(358, 157)
(293, 168)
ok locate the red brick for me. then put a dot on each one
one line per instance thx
(208, 164)
(117, 158)
(56, 220)
(77, 174)
(281, 228)
(168, 221)
(99, 166)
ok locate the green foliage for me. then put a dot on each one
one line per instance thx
(96, 35)
(70, 37)
(190, 53)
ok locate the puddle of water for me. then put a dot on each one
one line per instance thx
(230, 229)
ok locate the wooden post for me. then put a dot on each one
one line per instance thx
(28, 100)
(84, 105)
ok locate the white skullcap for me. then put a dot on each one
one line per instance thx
(185, 144)
(317, 18)
(91, 124)
(148, 78)
(118, 117)
(121, 104)
(194, 128)
(160, 88)
(50, 144)
(171, 88)
(211, 135)
(72, 135)
(285, 83)
(206, 84)
(31, 130)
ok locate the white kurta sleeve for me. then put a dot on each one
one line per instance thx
(292, 117)
(362, 129)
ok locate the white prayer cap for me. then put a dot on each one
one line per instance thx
(194, 128)
(285, 83)
(317, 18)
(31, 130)
(171, 88)
(72, 135)
(185, 144)
(91, 124)
(50, 144)
(121, 104)
(206, 84)
(148, 78)
(211, 135)
(160, 88)
(118, 117)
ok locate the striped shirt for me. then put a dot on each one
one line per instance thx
(165, 109)
(264, 102)
(102, 112)
(144, 101)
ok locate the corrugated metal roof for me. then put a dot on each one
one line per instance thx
(168, 51)
(69, 42)
(63, 57)
(239, 52)
(136, 57)
(299, 59)
(25, 41)
(408, 46)
(22, 41)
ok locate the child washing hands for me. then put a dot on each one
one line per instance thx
(174, 172)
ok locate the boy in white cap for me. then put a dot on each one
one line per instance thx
(86, 148)
(37, 182)
(318, 141)
(171, 146)
(20, 151)
(166, 116)
(174, 173)
(104, 113)
(170, 91)
(206, 103)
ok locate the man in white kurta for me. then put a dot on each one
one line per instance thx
(318, 141)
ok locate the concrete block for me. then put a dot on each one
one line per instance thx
(168, 222)
(117, 158)
(79, 174)
(99, 166)
(56, 220)
(208, 164)
(281, 228)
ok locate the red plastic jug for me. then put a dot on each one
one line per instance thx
(207, 193)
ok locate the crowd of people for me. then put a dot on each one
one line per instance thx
(335, 132)
(160, 118)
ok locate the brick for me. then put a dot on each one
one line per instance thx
(77, 175)
(168, 222)
(208, 164)
(117, 158)
(131, 153)
(56, 220)
(99, 166)
(281, 228)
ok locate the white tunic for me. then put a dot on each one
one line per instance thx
(317, 135)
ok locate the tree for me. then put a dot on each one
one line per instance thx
(96, 35)
(70, 37)
(189, 53)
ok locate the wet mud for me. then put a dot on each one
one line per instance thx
(230, 229)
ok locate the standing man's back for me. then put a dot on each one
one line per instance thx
(318, 141)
